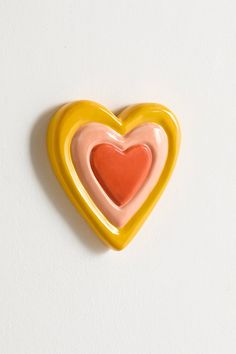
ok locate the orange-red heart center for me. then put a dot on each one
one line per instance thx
(121, 173)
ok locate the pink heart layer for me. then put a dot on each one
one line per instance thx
(93, 134)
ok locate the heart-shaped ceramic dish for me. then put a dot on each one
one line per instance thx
(113, 169)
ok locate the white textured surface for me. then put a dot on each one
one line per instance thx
(173, 291)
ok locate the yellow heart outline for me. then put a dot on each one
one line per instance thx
(64, 124)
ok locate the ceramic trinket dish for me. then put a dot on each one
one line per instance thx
(113, 168)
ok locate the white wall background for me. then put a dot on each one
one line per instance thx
(173, 290)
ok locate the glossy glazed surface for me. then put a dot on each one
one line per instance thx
(121, 173)
(92, 135)
(68, 121)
